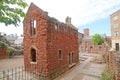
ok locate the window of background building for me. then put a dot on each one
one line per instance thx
(117, 46)
(116, 33)
(115, 18)
(115, 25)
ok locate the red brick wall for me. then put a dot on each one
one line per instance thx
(88, 46)
(48, 41)
(86, 32)
(111, 60)
(38, 41)
(65, 40)
(114, 64)
(3, 53)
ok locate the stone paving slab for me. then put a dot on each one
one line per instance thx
(90, 78)
(92, 72)
(86, 70)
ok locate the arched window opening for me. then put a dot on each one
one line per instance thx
(33, 55)
(60, 54)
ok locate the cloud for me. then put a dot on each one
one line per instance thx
(81, 11)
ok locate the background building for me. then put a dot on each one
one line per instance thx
(115, 30)
(88, 45)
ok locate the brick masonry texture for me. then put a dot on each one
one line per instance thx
(88, 45)
(51, 36)
(3, 53)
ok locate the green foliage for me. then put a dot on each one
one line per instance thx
(97, 39)
(2, 45)
(107, 74)
(4, 40)
(8, 50)
(11, 11)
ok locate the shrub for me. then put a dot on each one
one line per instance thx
(107, 74)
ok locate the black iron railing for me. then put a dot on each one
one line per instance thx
(20, 73)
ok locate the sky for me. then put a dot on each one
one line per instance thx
(92, 14)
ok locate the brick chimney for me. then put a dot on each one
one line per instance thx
(68, 20)
(86, 32)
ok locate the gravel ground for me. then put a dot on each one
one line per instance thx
(17, 61)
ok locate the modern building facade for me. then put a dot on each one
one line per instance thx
(48, 43)
(115, 30)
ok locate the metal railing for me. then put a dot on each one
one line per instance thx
(20, 73)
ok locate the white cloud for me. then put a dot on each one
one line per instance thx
(81, 11)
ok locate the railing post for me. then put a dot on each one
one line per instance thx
(3, 75)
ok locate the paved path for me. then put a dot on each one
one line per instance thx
(85, 70)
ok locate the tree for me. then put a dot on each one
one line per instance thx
(4, 41)
(97, 39)
(11, 11)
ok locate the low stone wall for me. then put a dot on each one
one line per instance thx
(114, 64)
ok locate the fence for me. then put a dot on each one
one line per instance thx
(21, 73)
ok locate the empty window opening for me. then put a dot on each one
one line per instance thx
(32, 27)
(69, 57)
(56, 26)
(91, 47)
(33, 55)
(60, 54)
(72, 58)
(64, 28)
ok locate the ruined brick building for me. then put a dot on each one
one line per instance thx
(88, 45)
(48, 43)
